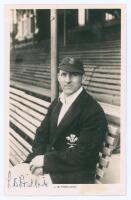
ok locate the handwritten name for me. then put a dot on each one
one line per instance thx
(22, 182)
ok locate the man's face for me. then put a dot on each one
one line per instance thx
(70, 82)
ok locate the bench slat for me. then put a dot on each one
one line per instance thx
(23, 121)
(104, 162)
(105, 98)
(26, 109)
(103, 91)
(102, 75)
(112, 110)
(34, 122)
(30, 78)
(19, 153)
(21, 140)
(14, 153)
(113, 129)
(36, 107)
(107, 151)
(102, 70)
(31, 98)
(100, 172)
(13, 160)
(22, 127)
(110, 140)
(103, 84)
(97, 80)
(33, 82)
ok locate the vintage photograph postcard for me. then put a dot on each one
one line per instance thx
(66, 94)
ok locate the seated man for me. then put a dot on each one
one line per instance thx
(69, 139)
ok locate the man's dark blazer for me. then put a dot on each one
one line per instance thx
(72, 149)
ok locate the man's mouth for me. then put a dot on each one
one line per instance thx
(68, 86)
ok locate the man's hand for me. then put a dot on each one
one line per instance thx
(36, 165)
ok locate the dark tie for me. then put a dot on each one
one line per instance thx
(58, 109)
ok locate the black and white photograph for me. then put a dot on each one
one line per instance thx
(66, 72)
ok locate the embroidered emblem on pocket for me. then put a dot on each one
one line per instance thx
(71, 140)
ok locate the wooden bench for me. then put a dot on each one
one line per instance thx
(26, 114)
(88, 51)
(103, 83)
(101, 64)
(109, 145)
(31, 74)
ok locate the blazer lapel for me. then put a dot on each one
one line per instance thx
(55, 114)
(70, 115)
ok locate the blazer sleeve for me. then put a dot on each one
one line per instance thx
(85, 153)
(41, 138)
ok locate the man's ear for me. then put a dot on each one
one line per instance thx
(83, 79)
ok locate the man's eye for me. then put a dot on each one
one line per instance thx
(63, 74)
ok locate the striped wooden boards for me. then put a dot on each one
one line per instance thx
(102, 63)
(26, 114)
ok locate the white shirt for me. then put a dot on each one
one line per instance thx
(67, 102)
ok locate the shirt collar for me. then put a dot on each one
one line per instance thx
(70, 99)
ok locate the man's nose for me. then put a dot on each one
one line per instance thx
(68, 78)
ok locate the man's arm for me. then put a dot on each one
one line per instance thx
(41, 138)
